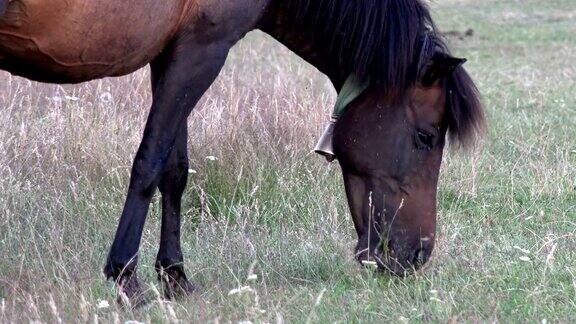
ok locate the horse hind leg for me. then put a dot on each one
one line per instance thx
(169, 261)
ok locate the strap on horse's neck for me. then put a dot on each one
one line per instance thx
(352, 89)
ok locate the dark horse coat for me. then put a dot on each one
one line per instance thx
(389, 143)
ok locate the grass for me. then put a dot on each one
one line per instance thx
(267, 207)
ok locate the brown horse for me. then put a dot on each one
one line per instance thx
(389, 142)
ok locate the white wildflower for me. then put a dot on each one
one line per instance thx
(524, 258)
(102, 304)
(106, 97)
(371, 264)
(521, 249)
(240, 290)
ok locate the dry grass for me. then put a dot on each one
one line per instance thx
(267, 236)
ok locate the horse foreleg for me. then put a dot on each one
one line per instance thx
(184, 73)
(169, 261)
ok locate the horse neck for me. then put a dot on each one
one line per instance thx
(297, 37)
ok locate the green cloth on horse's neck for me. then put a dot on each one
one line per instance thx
(352, 89)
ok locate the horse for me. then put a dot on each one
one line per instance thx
(389, 141)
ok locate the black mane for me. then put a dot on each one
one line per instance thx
(390, 42)
(376, 39)
(465, 116)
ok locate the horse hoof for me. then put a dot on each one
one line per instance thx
(130, 293)
(175, 283)
(110, 271)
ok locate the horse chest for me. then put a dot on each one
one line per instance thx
(68, 41)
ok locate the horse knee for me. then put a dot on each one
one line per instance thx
(174, 178)
(145, 179)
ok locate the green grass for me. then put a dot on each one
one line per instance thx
(507, 212)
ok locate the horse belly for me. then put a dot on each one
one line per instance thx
(69, 41)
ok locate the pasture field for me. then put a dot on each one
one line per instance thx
(267, 234)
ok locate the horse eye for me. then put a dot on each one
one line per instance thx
(424, 140)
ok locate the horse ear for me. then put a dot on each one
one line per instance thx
(442, 65)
